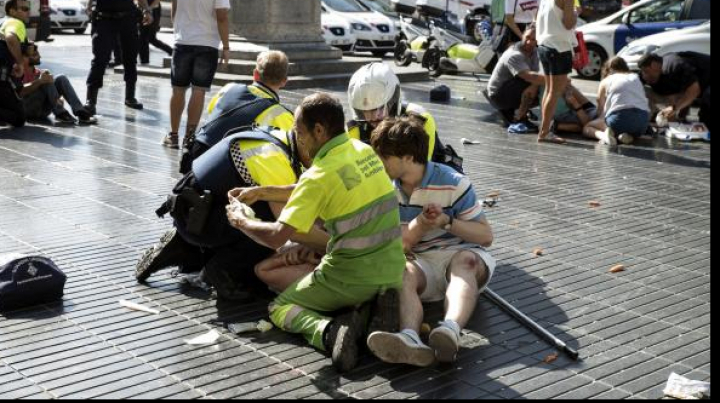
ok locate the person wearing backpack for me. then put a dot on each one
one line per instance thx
(239, 105)
(202, 237)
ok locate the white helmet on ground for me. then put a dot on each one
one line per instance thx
(374, 91)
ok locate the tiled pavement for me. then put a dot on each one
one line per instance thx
(86, 198)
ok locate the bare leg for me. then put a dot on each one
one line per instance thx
(569, 127)
(195, 107)
(280, 277)
(411, 309)
(466, 271)
(555, 88)
(595, 129)
(527, 101)
(177, 105)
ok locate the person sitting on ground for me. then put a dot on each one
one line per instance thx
(573, 112)
(13, 37)
(515, 81)
(203, 239)
(374, 94)
(238, 105)
(624, 111)
(445, 233)
(43, 93)
(681, 78)
(348, 188)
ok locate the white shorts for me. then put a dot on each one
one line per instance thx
(435, 264)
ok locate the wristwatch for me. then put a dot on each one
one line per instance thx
(448, 226)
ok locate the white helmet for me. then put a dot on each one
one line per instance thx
(374, 87)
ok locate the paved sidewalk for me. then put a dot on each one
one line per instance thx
(86, 196)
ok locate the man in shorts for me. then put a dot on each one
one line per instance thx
(200, 26)
(445, 234)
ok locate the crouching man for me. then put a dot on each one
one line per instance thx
(445, 233)
(348, 189)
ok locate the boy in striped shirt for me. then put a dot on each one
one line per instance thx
(445, 234)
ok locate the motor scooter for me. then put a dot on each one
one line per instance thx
(450, 53)
(412, 41)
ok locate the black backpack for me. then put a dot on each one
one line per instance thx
(29, 280)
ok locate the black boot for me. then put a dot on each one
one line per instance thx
(172, 250)
(385, 313)
(341, 340)
(92, 94)
(130, 100)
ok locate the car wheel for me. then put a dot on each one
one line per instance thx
(79, 31)
(597, 58)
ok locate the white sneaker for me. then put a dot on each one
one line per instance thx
(608, 137)
(626, 139)
(399, 348)
(445, 342)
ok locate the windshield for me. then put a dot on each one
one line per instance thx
(377, 6)
(345, 6)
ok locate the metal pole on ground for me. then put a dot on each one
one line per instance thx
(527, 322)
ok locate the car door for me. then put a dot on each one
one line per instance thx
(652, 18)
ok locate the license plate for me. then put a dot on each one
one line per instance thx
(72, 20)
(340, 42)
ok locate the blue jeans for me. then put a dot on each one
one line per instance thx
(632, 121)
(193, 65)
(44, 101)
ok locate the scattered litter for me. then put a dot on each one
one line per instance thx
(538, 252)
(138, 307)
(617, 269)
(493, 195)
(687, 132)
(468, 141)
(594, 203)
(260, 326)
(551, 358)
(680, 387)
(207, 338)
(246, 210)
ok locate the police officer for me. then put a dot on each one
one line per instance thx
(202, 237)
(110, 19)
(374, 95)
(238, 105)
(13, 40)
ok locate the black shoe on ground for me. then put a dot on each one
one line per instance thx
(227, 288)
(341, 340)
(85, 116)
(65, 117)
(170, 251)
(133, 104)
(385, 313)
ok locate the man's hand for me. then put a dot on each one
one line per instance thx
(248, 196)
(46, 77)
(433, 217)
(236, 217)
(147, 17)
(225, 59)
(18, 70)
(669, 113)
(300, 254)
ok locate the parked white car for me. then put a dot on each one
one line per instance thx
(606, 37)
(695, 39)
(458, 7)
(338, 32)
(404, 6)
(68, 14)
(375, 32)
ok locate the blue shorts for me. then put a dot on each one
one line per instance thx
(572, 117)
(193, 65)
(632, 121)
(555, 63)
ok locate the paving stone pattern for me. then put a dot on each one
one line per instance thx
(86, 198)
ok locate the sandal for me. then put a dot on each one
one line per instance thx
(171, 141)
(551, 138)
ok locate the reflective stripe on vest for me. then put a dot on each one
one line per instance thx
(266, 149)
(368, 241)
(345, 226)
